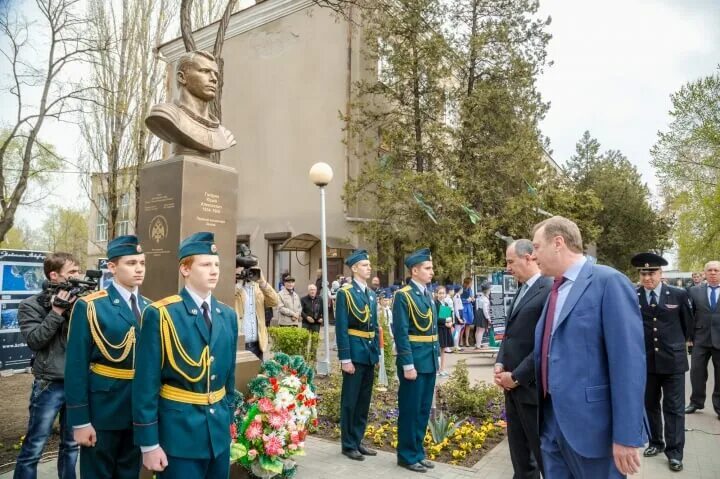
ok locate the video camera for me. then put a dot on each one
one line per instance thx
(76, 287)
(248, 262)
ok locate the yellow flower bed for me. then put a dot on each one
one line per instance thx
(459, 445)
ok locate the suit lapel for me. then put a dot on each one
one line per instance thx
(582, 281)
(218, 322)
(642, 297)
(196, 315)
(121, 307)
(534, 290)
(359, 295)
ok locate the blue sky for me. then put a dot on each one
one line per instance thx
(616, 64)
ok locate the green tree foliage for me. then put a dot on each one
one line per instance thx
(18, 237)
(628, 223)
(65, 229)
(687, 158)
(449, 127)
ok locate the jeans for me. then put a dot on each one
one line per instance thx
(47, 399)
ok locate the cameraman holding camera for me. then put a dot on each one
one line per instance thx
(43, 322)
(252, 295)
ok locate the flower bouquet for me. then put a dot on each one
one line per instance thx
(270, 427)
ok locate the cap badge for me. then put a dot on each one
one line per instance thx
(213, 248)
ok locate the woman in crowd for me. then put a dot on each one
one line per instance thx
(482, 316)
(468, 309)
(444, 325)
(458, 319)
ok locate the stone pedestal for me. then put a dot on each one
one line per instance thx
(178, 197)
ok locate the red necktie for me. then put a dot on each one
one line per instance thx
(549, 319)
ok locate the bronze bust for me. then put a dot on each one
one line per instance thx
(186, 123)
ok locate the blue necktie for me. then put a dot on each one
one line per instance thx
(713, 297)
(653, 298)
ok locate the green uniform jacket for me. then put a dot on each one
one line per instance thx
(91, 398)
(185, 430)
(423, 355)
(350, 305)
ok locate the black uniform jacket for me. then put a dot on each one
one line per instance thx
(667, 327)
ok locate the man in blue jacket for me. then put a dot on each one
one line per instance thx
(184, 386)
(100, 366)
(590, 362)
(356, 330)
(416, 340)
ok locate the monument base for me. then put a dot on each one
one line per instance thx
(178, 197)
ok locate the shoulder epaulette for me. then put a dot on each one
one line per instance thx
(97, 294)
(346, 286)
(165, 301)
(405, 289)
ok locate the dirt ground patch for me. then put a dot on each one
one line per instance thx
(14, 395)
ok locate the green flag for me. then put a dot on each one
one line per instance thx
(472, 214)
(425, 207)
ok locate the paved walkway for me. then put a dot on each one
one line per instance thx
(324, 461)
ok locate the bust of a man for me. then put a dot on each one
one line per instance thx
(187, 122)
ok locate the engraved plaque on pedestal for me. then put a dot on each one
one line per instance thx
(178, 197)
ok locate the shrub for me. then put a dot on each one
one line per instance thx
(295, 342)
(329, 391)
(480, 400)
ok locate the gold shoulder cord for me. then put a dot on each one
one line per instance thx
(127, 344)
(415, 313)
(361, 315)
(168, 338)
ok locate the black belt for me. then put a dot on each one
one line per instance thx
(251, 342)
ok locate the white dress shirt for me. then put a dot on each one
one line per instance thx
(570, 276)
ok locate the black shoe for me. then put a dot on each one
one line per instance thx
(365, 451)
(417, 467)
(675, 465)
(427, 464)
(653, 451)
(354, 455)
(691, 408)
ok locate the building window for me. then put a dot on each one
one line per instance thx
(123, 219)
(102, 219)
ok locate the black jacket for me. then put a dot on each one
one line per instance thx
(516, 350)
(667, 327)
(311, 307)
(707, 322)
(45, 332)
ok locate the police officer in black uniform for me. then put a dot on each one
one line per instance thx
(667, 321)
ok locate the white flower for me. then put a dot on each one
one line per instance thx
(283, 399)
(292, 382)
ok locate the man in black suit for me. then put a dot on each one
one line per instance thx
(515, 367)
(667, 322)
(705, 338)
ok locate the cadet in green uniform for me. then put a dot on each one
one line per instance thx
(416, 341)
(356, 332)
(183, 394)
(100, 364)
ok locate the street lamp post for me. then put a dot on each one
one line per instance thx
(321, 175)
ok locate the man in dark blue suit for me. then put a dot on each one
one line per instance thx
(590, 362)
(515, 365)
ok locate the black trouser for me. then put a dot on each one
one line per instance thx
(313, 328)
(355, 405)
(254, 348)
(114, 456)
(699, 374)
(523, 437)
(671, 387)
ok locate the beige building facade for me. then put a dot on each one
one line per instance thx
(288, 72)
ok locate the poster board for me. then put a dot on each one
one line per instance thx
(21, 276)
